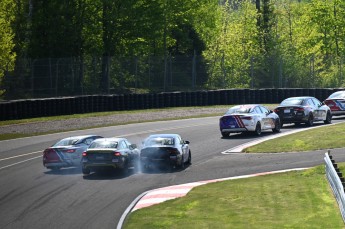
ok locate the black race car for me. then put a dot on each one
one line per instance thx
(304, 109)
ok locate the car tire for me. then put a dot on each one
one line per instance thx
(277, 126)
(125, 168)
(86, 171)
(310, 121)
(182, 165)
(257, 129)
(328, 118)
(225, 134)
(189, 161)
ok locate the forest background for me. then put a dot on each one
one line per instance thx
(74, 47)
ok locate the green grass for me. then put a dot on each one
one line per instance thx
(326, 137)
(299, 199)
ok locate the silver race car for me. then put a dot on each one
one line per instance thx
(248, 118)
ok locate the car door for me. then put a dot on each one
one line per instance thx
(184, 147)
(262, 117)
(321, 111)
(133, 152)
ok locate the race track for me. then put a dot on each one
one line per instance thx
(33, 197)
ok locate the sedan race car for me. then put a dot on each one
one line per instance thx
(304, 109)
(67, 152)
(336, 102)
(165, 150)
(248, 118)
(110, 153)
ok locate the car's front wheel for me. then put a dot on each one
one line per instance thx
(189, 161)
(310, 121)
(328, 118)
(277, 126)
(258, 129)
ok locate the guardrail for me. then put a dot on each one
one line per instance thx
(31, 108)
(336, 181)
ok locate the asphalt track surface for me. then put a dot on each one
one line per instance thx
(33, 197)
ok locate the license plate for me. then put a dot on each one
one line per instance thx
(286, 111)
(99, 157)
(115, 160)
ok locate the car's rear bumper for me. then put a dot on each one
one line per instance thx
(57, 164)
(115, 165)
(335, 113)
(235, 130)
(168, 161)
(295, 119)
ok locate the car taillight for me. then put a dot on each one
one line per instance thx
(276, 110)
(332, 104)
(84, 154)
(173, 151)
(299, 109)
(117, 154)
(246, 117)
(47, 151)
(69, 151)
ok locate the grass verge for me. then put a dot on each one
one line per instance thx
(299, 199)
(327, 137)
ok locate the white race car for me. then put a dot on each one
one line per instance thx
(248, 117)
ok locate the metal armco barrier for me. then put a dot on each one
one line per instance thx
(336, 181)
(30, 108)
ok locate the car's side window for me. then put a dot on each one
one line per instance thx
(127, 143)
(264, 110)
(122, 145)
(258, 110)
(88, 141)
(317, 102)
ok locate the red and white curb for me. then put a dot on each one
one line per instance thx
(160, 195)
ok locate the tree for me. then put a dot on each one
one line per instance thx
(7, 54)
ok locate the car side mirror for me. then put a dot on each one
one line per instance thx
(186, 142)
(133, 146)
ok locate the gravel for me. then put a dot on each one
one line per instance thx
(110, 120)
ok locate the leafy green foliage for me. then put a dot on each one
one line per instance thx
(266, 43)
(7, 54)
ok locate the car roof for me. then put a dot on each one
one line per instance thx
(81, 137)
(109, 139)
(300, 97)
(247, 105)
(163, 135)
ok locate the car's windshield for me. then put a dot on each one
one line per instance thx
(292, 101)
(339, 94)
(159, 141)
(67, 142)
(239, 109)
(104, 144)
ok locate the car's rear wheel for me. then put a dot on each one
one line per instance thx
(125, 168)
(86, 171)
(225, 134)
(328, 118)
(310, 121)
(277, 126)
(258, 129)
(182, 165)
